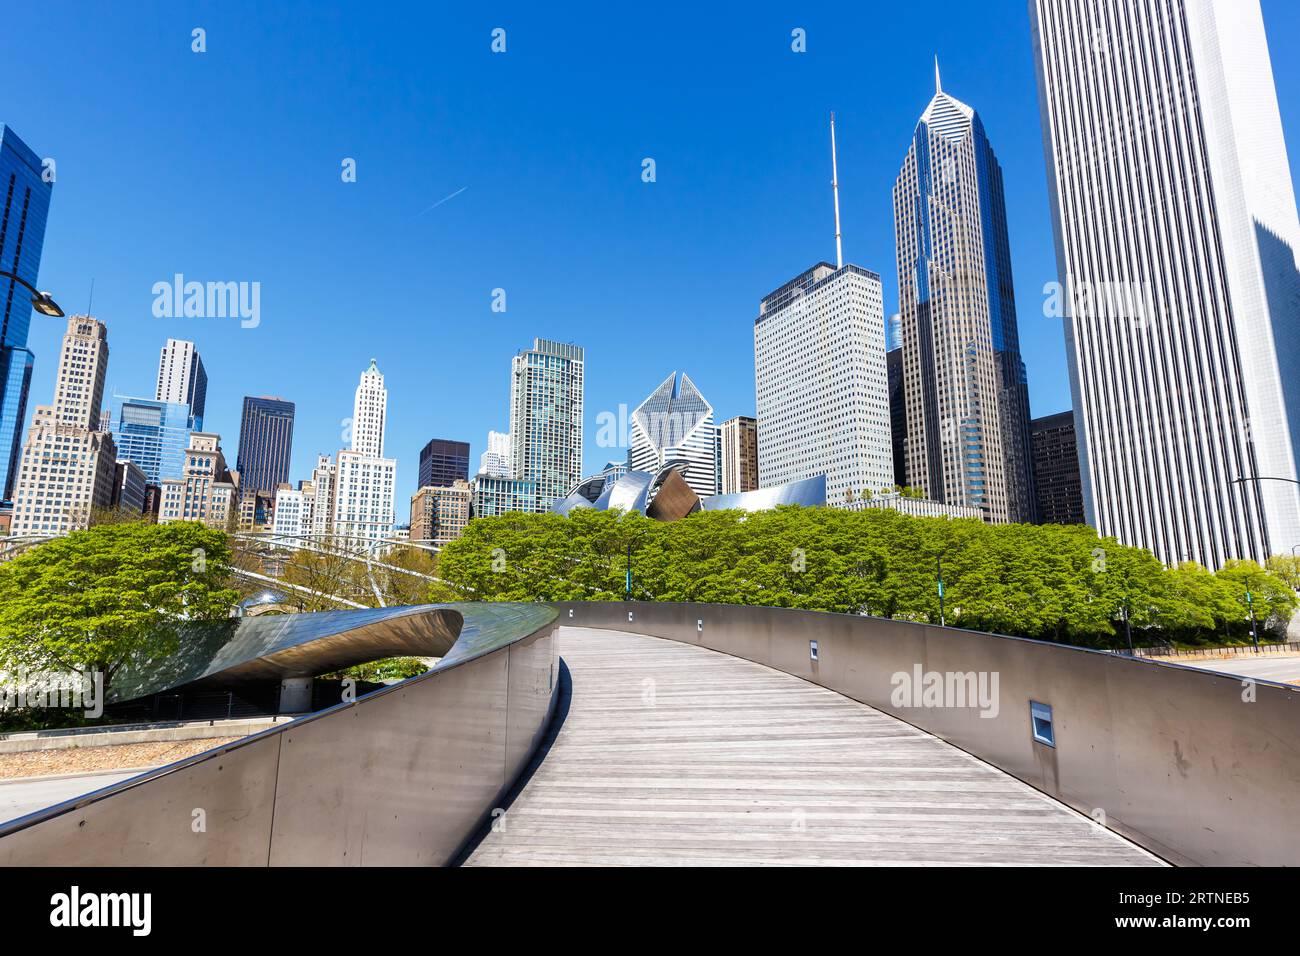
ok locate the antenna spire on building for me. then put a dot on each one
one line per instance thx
(835, 189)
(938, 87)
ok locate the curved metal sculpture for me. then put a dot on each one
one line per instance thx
(637, 490)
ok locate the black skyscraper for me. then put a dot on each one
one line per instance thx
(265, 443)
(442, 462)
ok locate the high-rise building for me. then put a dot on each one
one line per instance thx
(546, 419)
(490, 495)
(364, 478)
(676, 423)
(1176, 240)
(323, 479)
(152, 434)
(440, 513)
(739, 454)
(1056, 470)
(129, 487)
(24, 206)
(897, 414)
(183, 380)
(963, 378)
(265, 443)
(442, 462)
(207, 491)
(291, 516)
(820, 382)
(496, 459)
(68, 466)
(369, 411)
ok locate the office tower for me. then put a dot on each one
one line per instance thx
(67, 466)
(439, 514)
(443, 462)
(183, 380)
(291, 516)
(496, 459)
(676, 423)
(1176, 239)
(964, 381)
(364, 479)
(1056, 469)
(820, 382)
(894, 333)
(819, 377)
(897, 414)
(207, 491)
(129, 487)
(369, 410)
(739, 455)
(323, 479)
(490, 495)
(24, 206)
(546, 419)
(265, 443)
(152, 434)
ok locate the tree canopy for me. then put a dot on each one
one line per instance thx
(1053, 582)
(92, 600)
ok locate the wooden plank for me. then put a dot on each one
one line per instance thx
(673, 755)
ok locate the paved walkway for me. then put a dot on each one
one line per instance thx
(676, 755)
(1264, 667)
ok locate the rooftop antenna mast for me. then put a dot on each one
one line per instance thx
(835, 188)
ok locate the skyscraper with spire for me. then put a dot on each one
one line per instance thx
(819, 377)
(966, 396)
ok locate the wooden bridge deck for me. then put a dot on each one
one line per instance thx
(676, 755)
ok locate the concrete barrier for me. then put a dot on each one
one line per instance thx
(401, 776)
(1198, 767)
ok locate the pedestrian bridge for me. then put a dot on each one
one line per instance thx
(679, 734)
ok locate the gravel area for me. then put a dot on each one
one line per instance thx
(40, 763)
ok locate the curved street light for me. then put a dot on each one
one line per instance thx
(41, 301)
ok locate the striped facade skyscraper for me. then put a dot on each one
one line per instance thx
(546, 388)
(676, 422)
(265, 443)
(1176, 238)
(964, 386)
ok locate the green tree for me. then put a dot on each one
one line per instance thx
(96, 599)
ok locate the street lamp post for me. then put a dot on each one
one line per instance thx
(41, 301)
(1254, 634)
(939, 566)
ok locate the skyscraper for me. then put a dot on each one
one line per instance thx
(152, 434)
(442, 462)
(182, 379)
(24, 206)
(676, 422)
(363, 478)
(739, 454)
(546, 419)
(963, 378)
(265, 443)
(369, 410)
(68, 466)
(1056, 469)
(495, 460)
(819, 377)
(1176, 238)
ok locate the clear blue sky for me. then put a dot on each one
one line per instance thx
(225, 166)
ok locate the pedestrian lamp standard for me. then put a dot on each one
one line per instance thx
(41, 301)
(1254, 635)
(939, 573)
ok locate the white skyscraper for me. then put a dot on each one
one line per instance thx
(182, 379)
(1176, 235)
(369, 409)
(68, 466)
(821, 383)
(676, 422)
(364, 478)
(546, 419)
(323, 479)
(496, 460)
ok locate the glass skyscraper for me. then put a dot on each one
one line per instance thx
(265, 443)
(963, 378)
(152, 434)
(546, 419)
(24, 206)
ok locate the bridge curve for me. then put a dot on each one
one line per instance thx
(672, 754)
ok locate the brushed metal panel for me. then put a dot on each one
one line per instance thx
(533, 675)
(151, 821)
